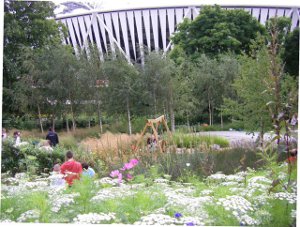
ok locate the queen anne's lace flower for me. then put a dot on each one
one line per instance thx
(94, 218)
(29, 215)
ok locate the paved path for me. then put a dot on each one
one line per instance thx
(233, 136)
(241, 136)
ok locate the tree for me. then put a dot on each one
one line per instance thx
(26, 24)
(157, 81)
(264, 91)
(250, 106)
(216, 31)
(122, 83)
(291, 53)
(211, 81)
(92, 73)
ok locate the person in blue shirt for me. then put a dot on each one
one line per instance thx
(52, 137)
(87, 170)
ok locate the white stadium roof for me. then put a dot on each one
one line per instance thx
(116, 5)
(136, 26)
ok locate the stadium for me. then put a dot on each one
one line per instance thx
(134, 29)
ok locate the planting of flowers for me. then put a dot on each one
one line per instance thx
(246, 198)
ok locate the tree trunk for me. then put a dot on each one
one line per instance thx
(187, 121)
(172, 115)
(262, 132)
(212, 115)
(209, 111)
(221, 120)
(128, 115)
(53, 122)
(89, 123)
(73, 119)
(40, 119)
(100, 116)
(67, 124)
(155, 106)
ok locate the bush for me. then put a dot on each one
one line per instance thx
(28, 158)
(67, 141)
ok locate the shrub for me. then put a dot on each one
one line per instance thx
(28, 158)
(68, 141)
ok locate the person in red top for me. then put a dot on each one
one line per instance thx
(71, 169)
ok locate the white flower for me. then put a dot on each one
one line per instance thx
(30, 214)
(188, 164)
(94, 218)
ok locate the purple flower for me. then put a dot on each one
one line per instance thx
(189, 224)
(177, 215)
(129, 176)
(114, 173)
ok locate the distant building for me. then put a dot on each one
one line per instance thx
(138, 29)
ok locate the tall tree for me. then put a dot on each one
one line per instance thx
(158, 77)
(121, 90)
(211, 80)
(26, 24)
(216, 31)
(291, 53)
(264, 91)
(93, 78)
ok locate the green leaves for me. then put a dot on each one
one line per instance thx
(217, 30)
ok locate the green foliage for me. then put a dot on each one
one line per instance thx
(27, 24)
(291, 53)
(131, 208)
(216, 31)
(280, 213)
(12, 208)
(87, 189)
(68, 141)
(251, 87)
(221, 216)
(29, 158)
(193, 141)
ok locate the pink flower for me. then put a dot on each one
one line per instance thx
(114, 173)
(127, 166)
(129, 176)
(134, 162)
(120, 178)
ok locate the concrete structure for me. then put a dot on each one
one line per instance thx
(136, 30)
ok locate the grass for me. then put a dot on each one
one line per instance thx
(12, 208)
(193, 141)
(280, 213)
(221, 216)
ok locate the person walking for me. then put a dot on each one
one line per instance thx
(52, 137)
(71, 169)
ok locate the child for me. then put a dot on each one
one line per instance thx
(87, 171)
(57, 178)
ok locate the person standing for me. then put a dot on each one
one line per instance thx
(17, 138)
(71, 169)
(52, 137)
